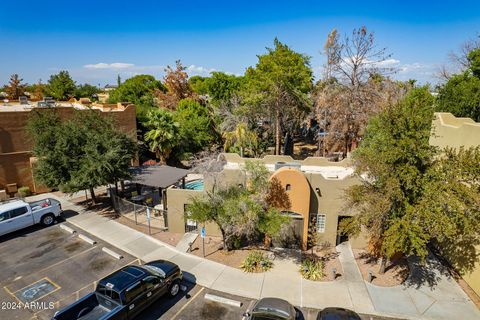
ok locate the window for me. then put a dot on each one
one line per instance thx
(321, 223)
(288, 187)
(150, 282)
(113, 295)
(4, 216)
(18, 212)
(133, 292)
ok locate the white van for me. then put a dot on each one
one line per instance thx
(18, 214)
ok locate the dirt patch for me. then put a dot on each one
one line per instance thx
(99, 264)
(395, 274)
(44, 250)
(74, 246)
(214, 251)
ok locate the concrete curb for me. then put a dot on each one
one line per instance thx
(112, 253)
(87, 239)
(68, 229)
(230, 302)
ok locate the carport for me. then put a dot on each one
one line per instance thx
(160, 177)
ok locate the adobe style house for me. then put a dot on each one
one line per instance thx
(315, 187)
(15, 145)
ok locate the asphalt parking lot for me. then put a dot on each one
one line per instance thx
(192, 305)
(53, 268)
(50, 267)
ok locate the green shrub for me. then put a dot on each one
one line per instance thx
(312, 269)
(236, 242)
(256, 261)
(24, 192)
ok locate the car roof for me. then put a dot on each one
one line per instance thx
(337, 314)
(273, 305)
(123, 278)
(12, 205)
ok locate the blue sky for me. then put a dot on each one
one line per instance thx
(96, 40)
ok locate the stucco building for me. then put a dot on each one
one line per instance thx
(15, 144)
(453, 132)
(315, 187)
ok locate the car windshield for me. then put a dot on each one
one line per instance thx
(155, 270)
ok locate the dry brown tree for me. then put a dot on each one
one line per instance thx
(178, 88)
(355, 86)
(15, 87)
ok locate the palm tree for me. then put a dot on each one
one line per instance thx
(242, 138)
(163, 134)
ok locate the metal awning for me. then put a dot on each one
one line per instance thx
(161, 176)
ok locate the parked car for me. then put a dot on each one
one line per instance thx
(125, 293)
(337, 314)
(271, 309)
(18, 214)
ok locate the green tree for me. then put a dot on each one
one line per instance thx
(222, 87)
(279, 86)
(412, 195)
(198, 84)
(138, 90)
(81, 153)
(395, 154)
(240, 213)
(85, 91)
(460, 96)
(241, 140)
(474, 60)
(61, 86)
(15, 87)
(163, 133)
(196, 126)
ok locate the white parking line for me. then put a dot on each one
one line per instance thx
(186, 304)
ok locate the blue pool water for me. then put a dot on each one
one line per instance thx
(194, 185)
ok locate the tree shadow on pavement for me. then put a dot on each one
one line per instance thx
(426, 273)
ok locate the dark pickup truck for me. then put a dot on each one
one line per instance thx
(126, 292)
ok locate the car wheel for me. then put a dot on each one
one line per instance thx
(174, 288)
(47, 220)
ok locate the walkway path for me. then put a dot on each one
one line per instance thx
(445, 301)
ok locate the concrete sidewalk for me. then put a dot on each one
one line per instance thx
(284, 281)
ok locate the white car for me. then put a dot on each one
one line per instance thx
(18, 214)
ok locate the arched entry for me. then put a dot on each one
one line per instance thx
(298, 189)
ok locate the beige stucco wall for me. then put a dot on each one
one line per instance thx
(450, 131)
(473, 277)
(330, 201)
(176, 201)
(298, 194)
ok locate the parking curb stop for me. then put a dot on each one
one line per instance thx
(112, 253)
(87, 239)
(223, 300)
(66, 228)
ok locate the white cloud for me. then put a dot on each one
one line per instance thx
(388, 63)
(199, 70)
(110, 66)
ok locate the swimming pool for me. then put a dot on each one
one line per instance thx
(194, 185)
